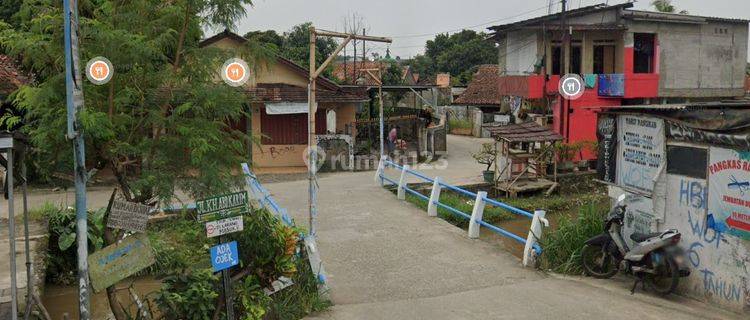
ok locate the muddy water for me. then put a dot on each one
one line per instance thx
(518, 226)
(64, 299)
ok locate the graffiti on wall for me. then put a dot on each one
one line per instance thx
(729, 184)
(718, 271)
(641, 151)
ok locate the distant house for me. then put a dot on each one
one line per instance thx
(350, 72)
(482, 91)
(277, 100)
(625, 56)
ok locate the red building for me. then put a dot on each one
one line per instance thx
(626, 57)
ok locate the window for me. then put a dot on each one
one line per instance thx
(285, 129)
(643, 52)
(687, 161)
(575, 58)
(604, 58)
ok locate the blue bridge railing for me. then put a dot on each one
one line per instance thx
(475, 217)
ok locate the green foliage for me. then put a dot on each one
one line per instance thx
(393, 73)
(163, 120)
(267, 250)
(189, 296)
(8, 8)
(562, 246)
(457, 54)
(62, 261)
(459, 123)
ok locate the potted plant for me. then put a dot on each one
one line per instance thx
(487, 157)
(566, 152)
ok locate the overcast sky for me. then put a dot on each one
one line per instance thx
(411, 22)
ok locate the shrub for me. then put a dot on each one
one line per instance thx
(562, 246)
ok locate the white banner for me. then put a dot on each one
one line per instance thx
(641, 151)
(221, 227)
(729, 191)
(286, 107)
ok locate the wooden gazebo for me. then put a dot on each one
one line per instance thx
(523, 153)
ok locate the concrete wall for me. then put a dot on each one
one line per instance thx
(519, 52)
(697, 60)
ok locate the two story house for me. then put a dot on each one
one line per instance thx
(625, 56)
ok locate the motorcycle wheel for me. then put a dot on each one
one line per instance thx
(667, 277)
(598, 262)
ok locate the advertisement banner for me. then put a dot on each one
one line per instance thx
(606, 132)
(729, 191)
(641, 150)
(639, 217)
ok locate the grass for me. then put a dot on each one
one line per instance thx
(464, 204)
(562, 246)
(458, 123)
(578, 208)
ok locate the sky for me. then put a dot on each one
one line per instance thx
(412, 22)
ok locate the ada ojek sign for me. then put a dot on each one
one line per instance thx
(221, 207)
(224, 256)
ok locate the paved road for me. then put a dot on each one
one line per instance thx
(387, 260)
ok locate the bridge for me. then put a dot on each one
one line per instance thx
(386, 259)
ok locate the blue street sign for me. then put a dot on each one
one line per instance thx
(224, 256)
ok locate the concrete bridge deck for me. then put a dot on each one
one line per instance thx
(386, 259)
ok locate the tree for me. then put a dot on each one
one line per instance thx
(392, 73)
(295, 45)
(457, 54)
(666, 6)
(162, 122)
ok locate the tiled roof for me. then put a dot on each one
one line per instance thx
(523, 132)
(345, 71)
(483, 88)
(282, 92)
(10, 78)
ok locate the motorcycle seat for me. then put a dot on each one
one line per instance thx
(640, 237)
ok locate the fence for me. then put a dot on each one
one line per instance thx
(531, 245)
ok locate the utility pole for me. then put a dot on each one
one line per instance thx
(564, 42)
(74, 104)
(312, 108)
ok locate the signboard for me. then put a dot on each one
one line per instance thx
(639, 217)
(641, 150)
(606, 132)
(729, 191)
(224, 256)
(221, 207)
(119, 261)
(223, 226)
(129, 216)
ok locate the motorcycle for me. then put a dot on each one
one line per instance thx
(655, 259)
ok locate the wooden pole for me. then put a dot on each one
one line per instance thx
(312, 155)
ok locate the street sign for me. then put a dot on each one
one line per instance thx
(571, 86)
(224, 256)
(223, 206)
(119, 261)
(129, 216)
(99, 70)
(235, 72)
(224, 226)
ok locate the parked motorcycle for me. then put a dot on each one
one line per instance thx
(655, 259)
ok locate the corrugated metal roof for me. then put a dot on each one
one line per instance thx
(523, 132)
(677, 17)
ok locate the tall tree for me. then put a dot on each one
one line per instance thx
(162, 122)
(666, 6)
(295, 44)
(457, 54)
